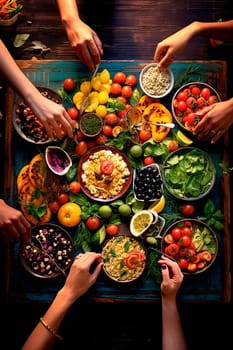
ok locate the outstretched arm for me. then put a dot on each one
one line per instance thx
(49, 112)
(82, 38)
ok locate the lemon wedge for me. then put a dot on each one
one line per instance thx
(158, 206)
(140, 222)
(182, 139)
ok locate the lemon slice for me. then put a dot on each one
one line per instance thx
(182, 139)
(158, 206)
(140, 222)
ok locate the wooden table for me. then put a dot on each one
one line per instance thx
(213, 286)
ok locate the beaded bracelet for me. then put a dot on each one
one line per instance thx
(42, 321)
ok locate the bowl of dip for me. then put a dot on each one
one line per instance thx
(90, 124)
(156, 82)
(58, 160)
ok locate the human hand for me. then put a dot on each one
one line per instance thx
(215, 121)
(80, 278)
(172, 277)
(51, 115)
(176, 43)
(85, 42)
(13, 224)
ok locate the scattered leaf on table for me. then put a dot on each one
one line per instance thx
(20, 39)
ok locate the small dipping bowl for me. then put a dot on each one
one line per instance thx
(90, 124)
(58, 160)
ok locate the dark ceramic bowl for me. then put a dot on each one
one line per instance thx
(90, 124)
(50, 252)
(200, 255)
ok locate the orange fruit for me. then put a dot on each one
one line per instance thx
(69, 214)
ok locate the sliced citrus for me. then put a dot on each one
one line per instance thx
(158, 206)
(183, 139)
(140, 222)
(99, 236)
(116, 130)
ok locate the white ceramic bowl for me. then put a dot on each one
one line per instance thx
(154, 82)
(58, 160)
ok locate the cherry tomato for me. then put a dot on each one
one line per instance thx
(121, 99)
(181, 105)
(106, 167)
(201, 102)
(74, 186)
(144, 135)
(69, 84)
(73, 113)
(123, 112)
(172, 249)
(184, 241)
(195, 90)
(112, 229)
(126, 91)
(183, 263)
(176, 233)
(91, 143)
(191, 118)
(205, 93)
(192, 267)
(115, 89)
(101, 139)
(131, 80)
(186, 231)
(191, 102)
(81, 148)
(212, 99)
(79, 135)
(173, 145)
(111, 119)
(148, 160)
(107, 130)
(93, 223)
(187, 209)
(63, 198)
(182, 95)
(119, 77)
(54, 206)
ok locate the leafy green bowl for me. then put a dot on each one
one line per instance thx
(188, 174)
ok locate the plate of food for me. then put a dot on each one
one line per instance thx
(50, 252)
(105, 173)
(188, 173)
(124, 258)
(192, 243)
(189, 99)
(26, 123)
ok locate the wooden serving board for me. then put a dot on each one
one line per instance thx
(213, 286)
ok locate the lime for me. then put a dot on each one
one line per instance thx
(136, 151)
(140, 222)
(158, 206)
(182, 139)
(105, 211)
(124, 210)
(99, 236)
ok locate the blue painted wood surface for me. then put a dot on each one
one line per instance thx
(209, 286)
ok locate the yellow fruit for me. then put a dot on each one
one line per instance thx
(78, 98)
(182, 139)
(69, 214)
(159, 206)
(101, 111)
(124, 210)
(104, 76)
(105, 87)
(92, 105)
(140, 222)
(116, 130)
(96, 83)
(93, 94)
(103, 97)
(85, 87)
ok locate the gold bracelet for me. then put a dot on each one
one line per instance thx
(42, 321)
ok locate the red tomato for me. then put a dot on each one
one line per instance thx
(185, 241)
(173, 145)
(191, 102)
(119, 77)
(93, 223)
(192, 267)
(182, 95)
(63, 198)
(91, 143)
(148, 160)
(195, 90)
(183, 263)
(205, 93)
(112, 229)
(121, 99)
(191, 118)
(107, 130)
(144, 135)
(54, 206)
(69, 84)
(74, 186)
(126, 91)
(186, 231)
(187, 209)
(172, 249)
(181, 105)
(176, 233)
(123, 112)
(101, 139)
(79, 135)
(111, 119)
(106, 167)
(115, 89)
(201, 102)
(212, 99)
(73, 112)
(134, 259)
(131, 80)
(81, 148)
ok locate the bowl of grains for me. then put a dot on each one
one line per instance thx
(156, 82)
